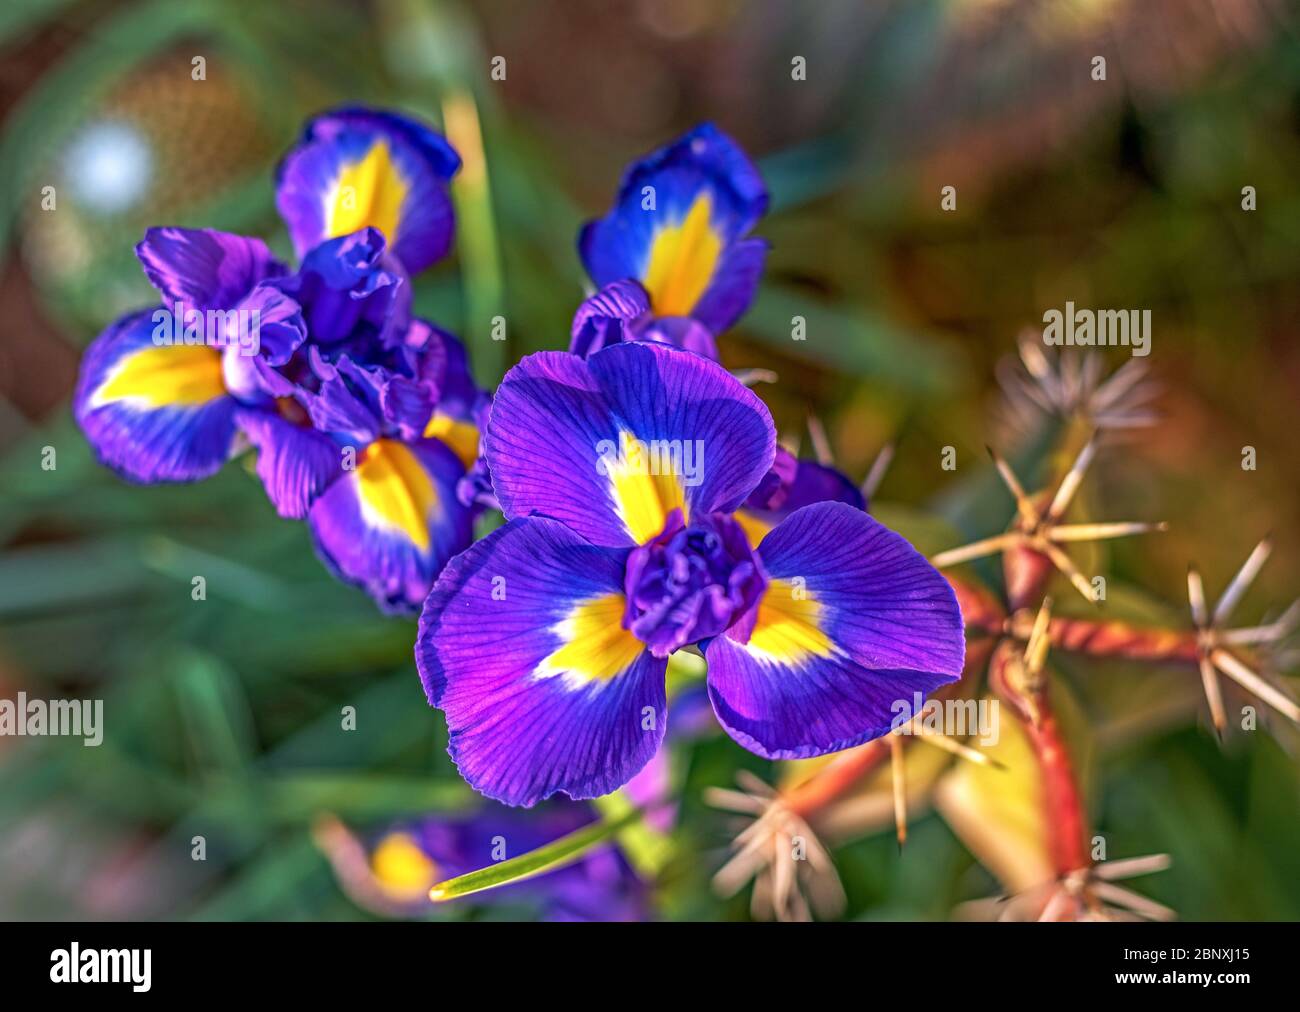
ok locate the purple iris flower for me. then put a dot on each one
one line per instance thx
(364, 419)
(160, 390)
(372, 459)
(355, 168)
(391, 871)
(610, 472)
(673, 259)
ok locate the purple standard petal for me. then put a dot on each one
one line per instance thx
(204, 269)
(154, 412)
(295, 463)
(390, 523)
(544, 691)
(620, 312)
(611, 445)
(854, 621)
(359, 168)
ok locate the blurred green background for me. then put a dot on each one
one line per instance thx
(223, 716)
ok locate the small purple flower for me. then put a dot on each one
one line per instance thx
(673, 258)
(390, 872)
(364, 168)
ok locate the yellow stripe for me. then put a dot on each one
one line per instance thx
(642, 500)
(368, 193)
(788, 630)
(396, 491)
(179, 375)
(403, 870)
(755, 529)
(682, 259)
(460, 437)
(595, 647)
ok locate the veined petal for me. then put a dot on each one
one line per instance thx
(357, 168)
(205, 269)
(853, 621)
(611, 445)
(352, 288)
(390, 524)
(154, 412)
(522, 647)
(295, 463)
(605, 317)
(675, 228)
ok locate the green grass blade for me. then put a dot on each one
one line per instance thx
(556, 854)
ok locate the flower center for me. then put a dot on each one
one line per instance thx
(690, 583)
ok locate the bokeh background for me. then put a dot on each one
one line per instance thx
(223, 716)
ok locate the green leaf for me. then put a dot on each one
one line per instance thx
(853, 340)
(557, 854)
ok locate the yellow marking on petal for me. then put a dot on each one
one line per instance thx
(368, 193)
(788, 630)
(396, 491)
(461, 437)
(755, 528)
(402, 868)
(644, 499)
(595, 645)
(180, 375)
(682, 259)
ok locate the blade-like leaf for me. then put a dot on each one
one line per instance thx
(556, 854)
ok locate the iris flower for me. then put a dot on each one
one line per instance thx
(390, 872)
(546, 643)
(363, 417)
(673, 260)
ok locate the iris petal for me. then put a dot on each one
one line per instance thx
(295, 463)
(154, 412)
(205, 269)
(612, 444)
(390, 524)
(543, 691)
(853, 621)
